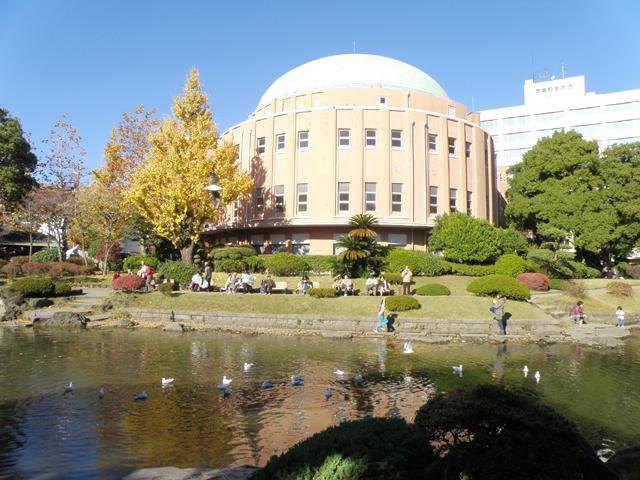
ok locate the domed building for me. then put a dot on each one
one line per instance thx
(351, 134)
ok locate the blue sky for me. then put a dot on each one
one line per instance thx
(98, 59)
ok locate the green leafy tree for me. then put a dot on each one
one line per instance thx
(512, 241)
(466, 239)
(564, 190)
(17, 161)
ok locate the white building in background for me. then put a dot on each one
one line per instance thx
(556, 105)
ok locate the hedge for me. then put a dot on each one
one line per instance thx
(128, 283)
(402, 303)
(535, 281)
(511, 265)
(285, 264)
(433, 290)
(33, 287)
(467, 270)
(319, 263)
(420, 263)
(231, 253)
(133, 262)
(231, 265)
(393, 278)
(55, 269)
(494, 284)
(46, 255)
(371, 448)
(322, 292)
(62, 289)
(178, 271)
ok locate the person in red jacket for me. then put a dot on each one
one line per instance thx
(577, 313)
(148, 275)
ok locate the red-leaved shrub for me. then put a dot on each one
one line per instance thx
(128, 283)
(54, 269)
(114, 260)
(11, 270)
(535, 281)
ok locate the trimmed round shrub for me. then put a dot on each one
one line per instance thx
(285, 264)
(488, 432)
(133, 262)
(433, 290)
(467, 270)
(535, 281)
(231, 253)
(393, 278)
(371, 448)
(558, 283)
(179, 271)
(165, 288)
(55, 269)
(46, 255)
(402, 303)
(231, 265)
(322, 292)
(493, 284)
(33, 286)
(420, 263)
(319, 263)
(619, 289)
(511, 265)
(580, 270)
(128, 283)
(62, 289)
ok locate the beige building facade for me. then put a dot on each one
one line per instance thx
(354, 134)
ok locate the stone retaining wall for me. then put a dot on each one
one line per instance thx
(353, 325)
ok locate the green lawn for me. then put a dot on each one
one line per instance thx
(460, 305)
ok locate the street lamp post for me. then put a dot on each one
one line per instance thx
(215, 190)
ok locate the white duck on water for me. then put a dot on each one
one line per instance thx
(408, 347)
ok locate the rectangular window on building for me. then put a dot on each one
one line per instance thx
(627, 107)
(303, 197)
(488, 124)
(370, 197)
(551, 117)
(344, 138)
(433, 200)
(343, 197)
(397, 239)
(280, 142)
(259, 200)
(469, 205)
(279, 194)
(515, 121)
(383, 100)
(452, 146)
(452, 111)
(396, 139)
(453, 199)
(277, 242)
(467, 150)
(433, 142)
(370, 137)
(300, 243)
(261, 145)
(303, 140)
(396, 197)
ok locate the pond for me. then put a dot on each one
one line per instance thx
(78, 435)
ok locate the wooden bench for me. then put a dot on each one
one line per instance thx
(281, 287)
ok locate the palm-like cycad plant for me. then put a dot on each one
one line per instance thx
(363, 223)
(355, 248)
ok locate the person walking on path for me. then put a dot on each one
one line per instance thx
(497, 308)
(382, 318)
(620, 317)
(577, 313)
(407, 276)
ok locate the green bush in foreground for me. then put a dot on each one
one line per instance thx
(372, 449)
(494, 284)
(558, 283)
(511, 265)
(62, 289)
(178, 271)
(402, 303)
(319, 263)
(433, 290)
(488, 432)
(33, 287)
(322, 292)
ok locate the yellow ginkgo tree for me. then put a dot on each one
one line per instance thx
(167, 189)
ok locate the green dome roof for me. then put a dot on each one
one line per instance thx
(352, 70)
